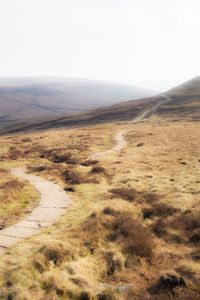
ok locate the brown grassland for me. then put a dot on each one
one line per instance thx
(132, 230)
(17, 198)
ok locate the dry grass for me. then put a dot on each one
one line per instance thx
(134, 238)
(103, 248)
(98, 170)
(73, 177)
(65, 157)
(17, 198)
(159, 210)
(89, 162)
(125, 193)
(188, 224)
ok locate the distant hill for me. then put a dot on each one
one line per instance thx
(179, 103)
(26, 99)
(118, 112)
(184, 101)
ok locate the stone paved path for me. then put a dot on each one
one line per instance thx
(54, 200)
(53, 204)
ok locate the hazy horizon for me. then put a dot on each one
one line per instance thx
(48, 79)
(150, 44)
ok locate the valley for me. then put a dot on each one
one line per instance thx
(175, 104)
(36, 99)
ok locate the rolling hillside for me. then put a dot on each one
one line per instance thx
(23, 99)
(182, 102)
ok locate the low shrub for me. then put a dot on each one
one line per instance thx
(160, 209)
(88, 163)
(106, 295)
(40, 264)
(195, 238)
(120, 228)
(96, 226)
(189, 224)
(46, 153)
(13, 184)
(84, 295)
(195, 255)
(181, 296)
(151, 197)
(159, 228)
(50, 282)
(54, 252)
(113, 263)
(78, 147)
(127, 194)
(98, 170)
(39, 168)
(72, 177)
(14, 153)
(132, 235)
(110, 211)
(26, 140)
(66, 158)
(167, 283)
(187, 221)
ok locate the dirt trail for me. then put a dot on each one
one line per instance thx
(152, 110)
(53, 204)
(120, 143)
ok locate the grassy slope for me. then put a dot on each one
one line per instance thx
(77, 255)
(118, 112)
(185, 101)
(32, 99)
(17, 198)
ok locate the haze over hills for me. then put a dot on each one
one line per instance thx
(180, 102)
(23, 99)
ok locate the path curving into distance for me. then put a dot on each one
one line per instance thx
(54, 199)
(120, 143)
(53, 204)
(149, 112)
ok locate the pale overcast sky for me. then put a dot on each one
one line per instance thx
(148, 43)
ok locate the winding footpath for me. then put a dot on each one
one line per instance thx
(153, 109)
(120, 143)
(54, 199)
(53, 204)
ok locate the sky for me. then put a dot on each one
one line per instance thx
(148, 43)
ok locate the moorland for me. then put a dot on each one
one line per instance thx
(132, 228)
